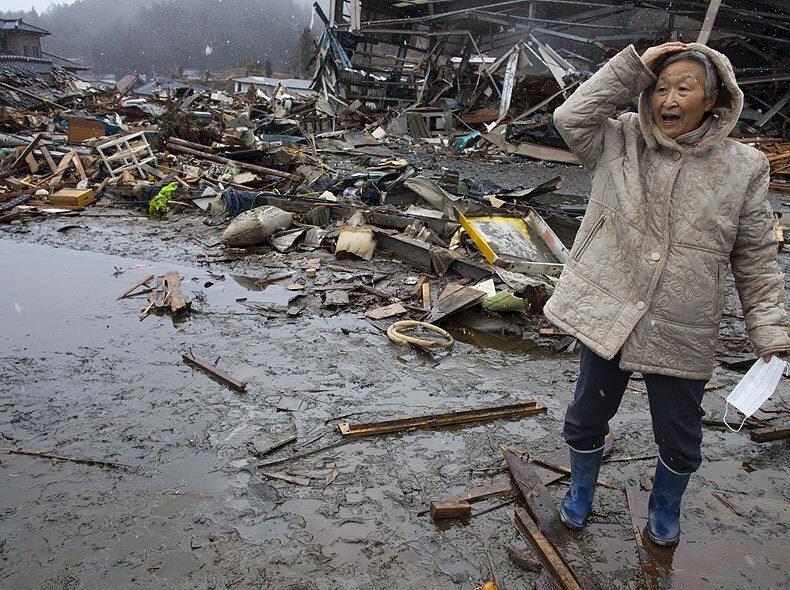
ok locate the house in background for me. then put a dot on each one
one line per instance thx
(20, 49)
(19, 38)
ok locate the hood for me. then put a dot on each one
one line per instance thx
(725, 112)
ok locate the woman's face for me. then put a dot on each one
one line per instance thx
(678, 101)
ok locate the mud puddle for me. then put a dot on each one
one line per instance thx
(82, 375)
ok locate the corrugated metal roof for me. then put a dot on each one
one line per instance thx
(17, 24)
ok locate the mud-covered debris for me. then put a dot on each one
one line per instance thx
(266, 443)
(508, 411)
(214, 371)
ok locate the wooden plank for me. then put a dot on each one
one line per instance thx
(551, 559)
(770, 433)
(450, 510)
(49, 159)
(61, 170)
(79, 167)
(543, 510)
(177, 145)
(102, 186)
(498, 486)
(32, 164)
(27, 151)
(443, 419)
(707, 24)
(212, 370)
(539, 502)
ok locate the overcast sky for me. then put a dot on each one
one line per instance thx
(27, 4)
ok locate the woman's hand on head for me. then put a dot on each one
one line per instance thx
(655, 55)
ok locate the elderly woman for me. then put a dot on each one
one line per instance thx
(673, 202)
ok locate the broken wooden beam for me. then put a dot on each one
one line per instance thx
(455, 506)
(543, 510)
(443, 419)
(137, 285)
(27, 151)
(175, 145)
(212, 370)
(770, 433)
(498, 486)
(450, 510)
(543, 547)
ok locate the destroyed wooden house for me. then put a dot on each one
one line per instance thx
(484, 61)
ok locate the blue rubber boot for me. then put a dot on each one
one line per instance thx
(584, 474)
(663, 526)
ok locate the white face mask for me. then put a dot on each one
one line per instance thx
(755, 387)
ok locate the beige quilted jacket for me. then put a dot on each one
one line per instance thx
(665, 218)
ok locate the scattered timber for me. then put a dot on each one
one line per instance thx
(177, 145)
(770, 433)
(543, 511)
(549, 557)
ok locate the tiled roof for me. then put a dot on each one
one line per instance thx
(17, 24)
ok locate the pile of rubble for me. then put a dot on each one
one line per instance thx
(332, 167)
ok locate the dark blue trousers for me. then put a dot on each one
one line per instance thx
(675, 407)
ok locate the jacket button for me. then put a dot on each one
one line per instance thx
(677, 156)
(640, 305)
(655, 257)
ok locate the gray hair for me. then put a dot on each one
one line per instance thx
(711, 75)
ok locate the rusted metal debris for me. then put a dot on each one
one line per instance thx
(770, 433)
(441, 420)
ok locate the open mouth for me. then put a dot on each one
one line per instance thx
(670, 119)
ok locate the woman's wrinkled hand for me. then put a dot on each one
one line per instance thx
(781, 355)
(655, 55)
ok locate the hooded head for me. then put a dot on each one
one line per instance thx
(694, 89)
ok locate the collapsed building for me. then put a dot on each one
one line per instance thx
(480, 61)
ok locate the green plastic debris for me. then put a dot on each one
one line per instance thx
(159, 204)
(503, 301)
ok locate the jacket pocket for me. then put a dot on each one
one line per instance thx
(587, 240)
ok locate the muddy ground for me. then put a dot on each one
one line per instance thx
(80, 374)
